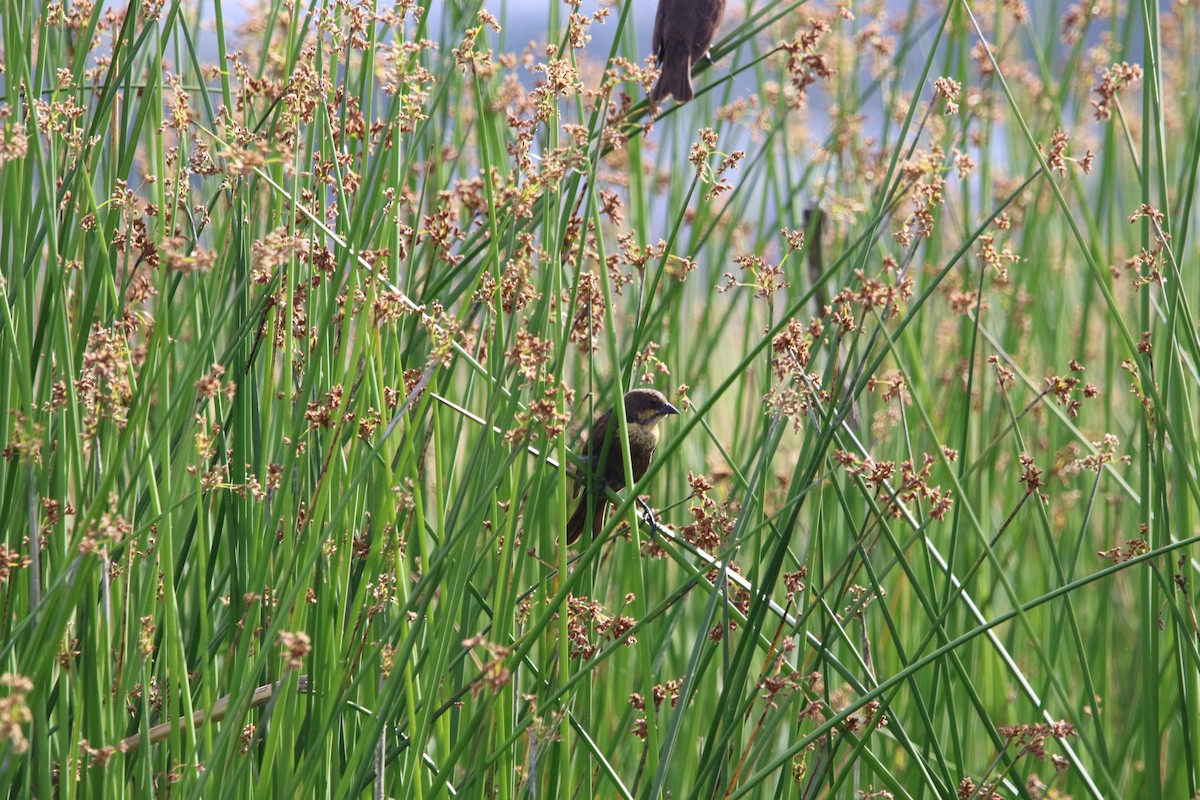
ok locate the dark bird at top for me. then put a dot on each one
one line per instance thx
(683, 32)
(643, 409)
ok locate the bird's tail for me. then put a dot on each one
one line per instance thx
(676, 76)
(579, 519)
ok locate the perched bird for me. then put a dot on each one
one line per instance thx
(683, 32)
(643, 409)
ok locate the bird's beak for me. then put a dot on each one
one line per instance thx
(667, 408)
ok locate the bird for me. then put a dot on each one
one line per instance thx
(683, 32)
(644, 408)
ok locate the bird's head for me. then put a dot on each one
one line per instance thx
(647, 406)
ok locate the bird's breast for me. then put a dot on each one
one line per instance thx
(643, 436)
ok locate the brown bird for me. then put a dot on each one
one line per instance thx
(683, 32)
(643, 409)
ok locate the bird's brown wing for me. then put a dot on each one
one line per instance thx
(589, 456)
(595, 443)
(706, 29)
(594, 480)
(656, 41)
(613, 468)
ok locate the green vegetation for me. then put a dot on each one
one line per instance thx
(296, 347)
